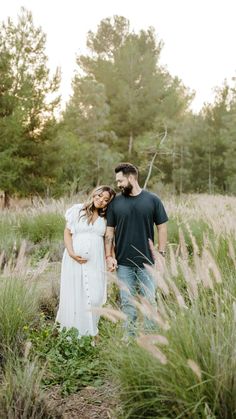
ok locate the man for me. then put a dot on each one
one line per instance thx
(130, 220)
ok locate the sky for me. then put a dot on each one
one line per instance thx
(199, 36)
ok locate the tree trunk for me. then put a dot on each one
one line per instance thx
(6, 200)
(209, 170)
(153, 159)
(130, 143)
(150, 171)
(173, 166)
(181, 169)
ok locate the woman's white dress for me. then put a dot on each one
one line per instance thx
(83, 286)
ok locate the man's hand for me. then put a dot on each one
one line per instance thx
(111, 263)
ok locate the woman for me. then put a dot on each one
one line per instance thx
(83, 284)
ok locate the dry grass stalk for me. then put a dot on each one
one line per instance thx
(183, 247)
(162, 309)
(173, 262)
(193, 240)
(21, 261)
(190, 279)
(2, 258)
(28, 346)
(153, 339)
(154, 251)
(17, 266)
(195, 368)
(212, 266)
(159, 279)
(232, 252)
(202, 272)
(113, 279)
(110, 313)
(178, 295)
(197, 268)
(218, 211)
(41, 267)
(150, 311)
(147, 344)
(144, 307)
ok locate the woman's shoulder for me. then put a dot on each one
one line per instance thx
(74, 210)
(76, 207)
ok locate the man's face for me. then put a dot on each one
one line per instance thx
(124, 184)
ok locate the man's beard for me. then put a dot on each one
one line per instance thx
(126, 190)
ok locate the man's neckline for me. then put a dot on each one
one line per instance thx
(135, 196)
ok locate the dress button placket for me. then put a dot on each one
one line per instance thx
(88, 296)
(86, 285)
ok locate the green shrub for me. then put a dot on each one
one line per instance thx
(71, 362)
(42, 227)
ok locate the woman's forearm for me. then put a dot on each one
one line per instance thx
(68, 241)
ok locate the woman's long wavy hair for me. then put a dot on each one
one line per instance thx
(89, 207)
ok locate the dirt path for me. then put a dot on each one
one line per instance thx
(89, 403)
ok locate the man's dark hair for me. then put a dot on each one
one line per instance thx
(127, 169)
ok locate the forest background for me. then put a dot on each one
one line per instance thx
(124, 106)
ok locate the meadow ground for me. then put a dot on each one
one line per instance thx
(185, 368)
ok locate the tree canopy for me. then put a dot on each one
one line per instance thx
(27, 122)
(124, 105)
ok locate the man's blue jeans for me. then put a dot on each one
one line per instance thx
(137, 281)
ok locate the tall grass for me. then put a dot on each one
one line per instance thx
(42, 231)
(20, 393)
(187, 367)
(9, 237)
(18, 307)
(19, 301)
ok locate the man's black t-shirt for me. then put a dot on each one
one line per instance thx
(133, 218)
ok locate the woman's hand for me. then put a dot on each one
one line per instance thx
(78, 258)
(111, 263)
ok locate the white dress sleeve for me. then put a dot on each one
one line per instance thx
(72, 217)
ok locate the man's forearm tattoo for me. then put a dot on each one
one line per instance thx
(109, 240)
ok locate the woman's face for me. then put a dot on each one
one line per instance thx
(101, 200)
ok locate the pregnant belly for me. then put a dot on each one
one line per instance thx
(82, 247)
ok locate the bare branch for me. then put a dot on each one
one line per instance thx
(153, 159)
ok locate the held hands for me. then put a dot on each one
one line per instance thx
(111, 263)
(78, 258)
